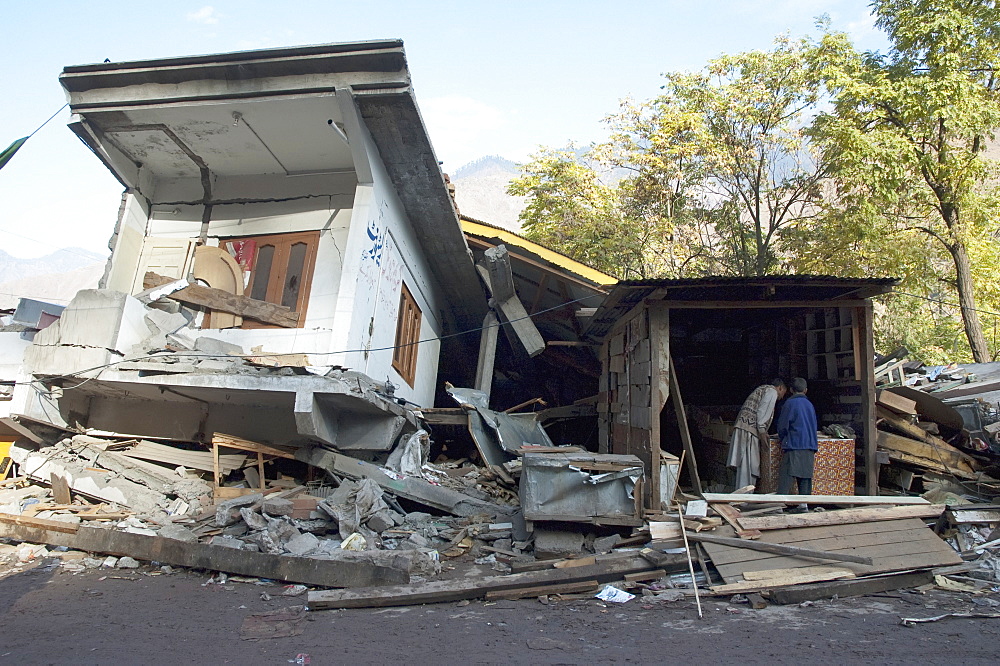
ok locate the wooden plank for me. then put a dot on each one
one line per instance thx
(837, 544)
(733, 573)
(841, 517)
(778, 573)
(217, 299)
(732, 516)
(864, 355)
(234, 442)
(780, 581)
(961, 516)
(305, 570)
(940, 456)
(60, 489)
(542, 590)
(896, 402)
(473, 587)
(779, 549)
(172, 455)
(851, 588)
(733, 498)
(40, 524)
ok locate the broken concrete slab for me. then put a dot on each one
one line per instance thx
(91, 483)
(217, 347)
(308, 571)
(302, 544)
(228, 511)
(178, 532)
(277, 506)
(557, 544)
(411, 488)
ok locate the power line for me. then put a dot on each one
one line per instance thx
(478, 329)
(937, 300)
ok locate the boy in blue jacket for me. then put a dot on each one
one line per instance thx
(797, 432)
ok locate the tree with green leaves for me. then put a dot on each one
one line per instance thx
(906, 139)
(711, 173)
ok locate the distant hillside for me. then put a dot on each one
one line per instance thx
(481, 192)
(60, 261)
(55, 277)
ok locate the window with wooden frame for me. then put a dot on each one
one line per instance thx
(404, 355)
(282, 271)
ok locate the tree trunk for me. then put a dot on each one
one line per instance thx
(967, 299)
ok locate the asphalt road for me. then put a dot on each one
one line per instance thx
(52, 616)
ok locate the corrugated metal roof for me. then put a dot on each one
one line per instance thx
(727, 291)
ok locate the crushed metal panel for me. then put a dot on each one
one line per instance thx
(581, 487)
(498, 435)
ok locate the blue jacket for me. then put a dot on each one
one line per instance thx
(797, 424)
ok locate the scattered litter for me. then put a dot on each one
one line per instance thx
(614, 595)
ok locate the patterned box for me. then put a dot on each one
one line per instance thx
(833, 471)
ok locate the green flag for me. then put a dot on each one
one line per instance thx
(11, 149)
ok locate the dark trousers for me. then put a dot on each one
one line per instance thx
(786, 481)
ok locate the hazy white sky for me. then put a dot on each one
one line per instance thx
(491, 78)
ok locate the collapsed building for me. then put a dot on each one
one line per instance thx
(294, 368)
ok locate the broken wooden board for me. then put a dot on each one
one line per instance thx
(732, 516)
(223, 301)
(779, 549)
(475, 587)
(305, 570)
(411, 488)
(893, 545)
(850, 588)
(841, 517)
(789, 577)
(941, 457)
(733, 498)
(896, 402)
(173, 455)
(543, 590)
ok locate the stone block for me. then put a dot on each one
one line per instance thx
(228, 512)
(302, 544)
(605, 544)
(557, 544)
(209, 345)
(380, 522)
(178, 532)
(127, 563)
(226, 542)
(278, 506)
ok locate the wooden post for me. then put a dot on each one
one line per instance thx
(865, 362)
(675, 392)
(260, 469)
(659, 392)
(215, 467)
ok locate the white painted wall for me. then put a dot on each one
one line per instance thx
(383, 251)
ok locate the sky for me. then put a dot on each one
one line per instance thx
(491, 78)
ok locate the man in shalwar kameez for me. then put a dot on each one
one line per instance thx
(750, 431)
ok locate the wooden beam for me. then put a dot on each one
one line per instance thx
(940, 456)
(474, 587)
(841, 517)
(217, 299)
(756, 305)
(850, 588)
(733, 498)
(864, 355)
(778, 548)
